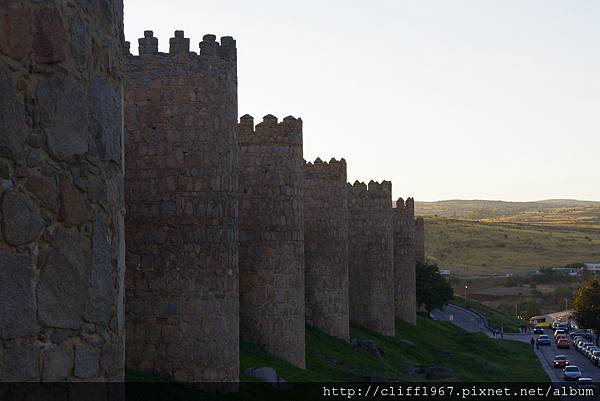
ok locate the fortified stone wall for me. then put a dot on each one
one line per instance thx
(405, 260)
(182, 196)
(371, 256)
(326, 247)
(272, 236)
(61, 183)
(420, 239)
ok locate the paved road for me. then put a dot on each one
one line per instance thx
(469, 321)
(460, 317)
(547, 353)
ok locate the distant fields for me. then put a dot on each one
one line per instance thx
(554, 213)
(471, 247)
(490, 237)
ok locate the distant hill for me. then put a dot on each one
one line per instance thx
(481, 247)
(552, 212)
(488, 237)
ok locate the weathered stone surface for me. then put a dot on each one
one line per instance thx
(17, 309)
(266, 374)
(80, 41)
(63, 114)
(182, 221)
(52, 177)
(21, 362)
(371, 256)
(22, 219)
(73, 206)
(101, 279)
(45, 190)
(87, 361)
(49, 36)
(113, 357)
(326, 247)
(12, 119)
(405, 261)
(420, 239)
(15, 28)
(368, 345)
(57, 363)
(64, 281)
(272, 236)
(105, 119)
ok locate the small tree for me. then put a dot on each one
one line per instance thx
(433, 291)
(586, 306)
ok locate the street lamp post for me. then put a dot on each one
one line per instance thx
(466, 295)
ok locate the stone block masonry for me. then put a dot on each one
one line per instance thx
(405, 260)
(326, 247)
(371, 256)
(272, 236)
(61, 184)
(420, 239)
(182, 293)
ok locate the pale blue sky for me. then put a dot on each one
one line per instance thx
(486, 99)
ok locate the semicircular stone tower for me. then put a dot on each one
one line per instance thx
(405, 260)
(326, 247)
(371, 256)
(182, 219)
(272, 236)
(61, 191)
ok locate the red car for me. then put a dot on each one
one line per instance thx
(561, 361)
(562, 343)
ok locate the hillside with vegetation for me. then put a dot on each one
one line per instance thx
(562, 213)
(475, 247)
(492, 237)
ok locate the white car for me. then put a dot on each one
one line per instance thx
(571, 372)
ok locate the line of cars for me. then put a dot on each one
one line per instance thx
(581, 342)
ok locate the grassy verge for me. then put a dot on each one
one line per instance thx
(466, 356)
(409, 356)
(495, 318)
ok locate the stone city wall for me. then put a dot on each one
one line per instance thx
(181, 187)
(405, 260)
(371, 256)
(272, 236)
(326, 247)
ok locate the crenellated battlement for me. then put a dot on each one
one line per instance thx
(179, 45)
(373, 188)
(270, 131)
(407, 207)
(334, 170)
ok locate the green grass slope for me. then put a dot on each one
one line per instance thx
(469, 356)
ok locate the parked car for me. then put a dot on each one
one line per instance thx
(571, 372)
(595, 357)
(580, 333)
(560, 361)
(588, 352)
(562, 343)
(538, 330)
(586, 347)
(583, 345)
(544, 340)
